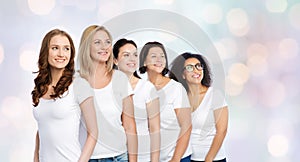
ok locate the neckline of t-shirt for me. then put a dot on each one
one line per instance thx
(138, 84)
(205, 96)
(171, 81)
(105, 87)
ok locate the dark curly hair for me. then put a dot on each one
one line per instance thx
(177, 67)
(144, 54)
(43, 79)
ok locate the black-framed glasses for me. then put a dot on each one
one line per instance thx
(191, 67)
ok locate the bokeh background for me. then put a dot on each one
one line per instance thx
(257, 42)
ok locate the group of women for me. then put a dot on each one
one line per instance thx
(107, 112)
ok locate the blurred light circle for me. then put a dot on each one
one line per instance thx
(105, 10)
(257, 55)
(278, 145)
(39, 7)
(226, 48)
(88, 5)
(276, 5)
(231, 88)
(268, 97)
(28, 60)
(1, 54)
(212, 14)
(12, 107)
(238, 73)
(288, 48)
(237, 20)
(294, 15)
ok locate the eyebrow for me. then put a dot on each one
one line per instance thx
(65, 45)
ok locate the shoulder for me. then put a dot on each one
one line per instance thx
(118, 76)
(176, 84)
(218, 97)
(118, 73)
(79, 80)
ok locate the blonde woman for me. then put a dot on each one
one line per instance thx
(113, 98)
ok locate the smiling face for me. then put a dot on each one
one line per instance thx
(127, 58)
(155, 60)
(193, 73)
(101, 48)
(59, 52)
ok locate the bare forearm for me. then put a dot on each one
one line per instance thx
(215, 147)
(132, 146)
(182, 144)
(155, 146)
(88, 148)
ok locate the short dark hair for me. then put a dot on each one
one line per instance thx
(120, 43)
(177, 68)
(116, 49)
(144, 53)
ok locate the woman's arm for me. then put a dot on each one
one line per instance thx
(154, 127)
(221, 119)
(37, 147)
(130, 128)
(185, 123)
(89, 114)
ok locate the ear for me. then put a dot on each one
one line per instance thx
(115, 61)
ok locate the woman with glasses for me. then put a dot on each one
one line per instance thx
(209, 109)
(113, 98)
(175, 112)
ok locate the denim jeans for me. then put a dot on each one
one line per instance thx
(186, 159)
(118, 158)
(223, 160)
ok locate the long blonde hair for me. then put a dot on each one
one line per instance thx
(84, 53)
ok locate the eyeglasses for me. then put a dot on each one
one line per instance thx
(191, 67)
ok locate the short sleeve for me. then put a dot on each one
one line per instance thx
(82, 89)
(121, 85)
(181, 99)
(218, 99)
(151, 92)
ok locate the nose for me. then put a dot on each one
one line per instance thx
(104, 45)
(132, 58)
(60, 52)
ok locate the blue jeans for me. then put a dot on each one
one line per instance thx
(186, 159)
(223, 160)
(118, 158)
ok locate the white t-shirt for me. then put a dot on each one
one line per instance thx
(58, 123)
(204, 129)
(172, 96)
(144, 93)
(108, 104)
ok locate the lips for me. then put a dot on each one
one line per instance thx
(196, 75)
(102, 53)
(60, 60)
(131, 65)
(158, 65)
